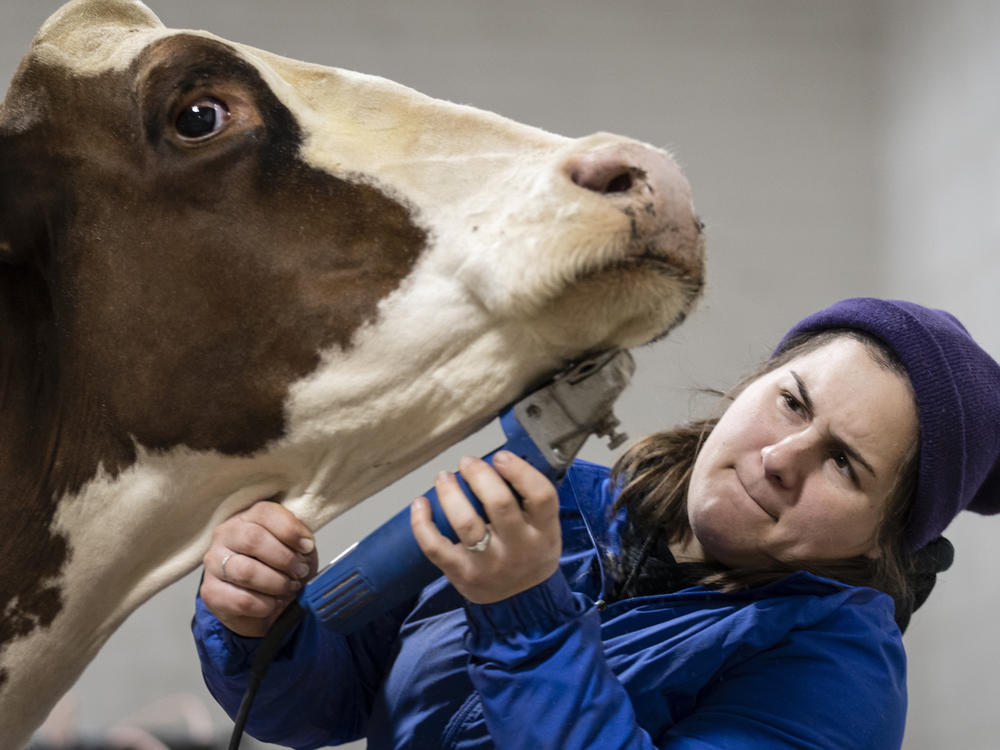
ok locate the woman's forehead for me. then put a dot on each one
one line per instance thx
(859, 397)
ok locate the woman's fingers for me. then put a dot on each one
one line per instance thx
(498, 500)
(436, 546)
(268, 534)
(516, 497)
(273, 535)
(242, 610)
(228, 600)
(539, 499)
(257, 562)
(249, 572)
(522, 547)
(467, 524)
(514, 493)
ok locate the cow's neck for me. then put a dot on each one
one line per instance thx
(53, 429)
(111, 540)
(50, 433)
(33, 454)
(82, 552)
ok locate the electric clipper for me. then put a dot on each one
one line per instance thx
(547, 428)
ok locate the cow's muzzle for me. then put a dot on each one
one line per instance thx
(647, 185)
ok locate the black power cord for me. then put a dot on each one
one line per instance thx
(266, 650)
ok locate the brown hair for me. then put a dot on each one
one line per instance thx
(655, 473)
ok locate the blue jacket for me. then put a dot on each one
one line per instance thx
(802, 663)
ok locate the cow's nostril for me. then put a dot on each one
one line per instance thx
(619, 184)
(604, 176)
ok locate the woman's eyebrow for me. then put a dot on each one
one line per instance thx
(839, 441)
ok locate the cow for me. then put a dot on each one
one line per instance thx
(227, 276)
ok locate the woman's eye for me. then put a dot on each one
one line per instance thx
(792, 403)
(843, 463)
(201, 119)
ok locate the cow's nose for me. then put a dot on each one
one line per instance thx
(605, 173)
(648, 187)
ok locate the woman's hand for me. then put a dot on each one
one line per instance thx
(258, 561)
(524, 543)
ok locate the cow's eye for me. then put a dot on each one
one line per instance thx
(201, 119)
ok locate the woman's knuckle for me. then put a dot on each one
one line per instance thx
(465, 577)
(250, 604)
(506, 504)
(236, 570)
(242, 601)
(545, 494)
(207, 591)
(258, 537)
(220, 533)
(260, 510)
(284, 558)
(467, 527)
(435, 555)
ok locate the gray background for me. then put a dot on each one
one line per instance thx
(836, 148)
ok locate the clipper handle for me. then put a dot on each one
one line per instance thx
(387, 566)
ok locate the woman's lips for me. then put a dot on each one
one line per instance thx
(752, 496)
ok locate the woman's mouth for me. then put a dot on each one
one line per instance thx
(753, 497)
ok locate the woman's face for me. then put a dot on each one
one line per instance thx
(802, 463)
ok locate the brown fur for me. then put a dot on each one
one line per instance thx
(119, 322)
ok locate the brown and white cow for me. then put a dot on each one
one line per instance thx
(226, 276)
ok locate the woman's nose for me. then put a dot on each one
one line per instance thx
(786, 460)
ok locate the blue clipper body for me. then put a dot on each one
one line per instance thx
(387, 566)
(547, 428)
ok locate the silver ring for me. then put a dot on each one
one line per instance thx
(482, 543)
(225, 576)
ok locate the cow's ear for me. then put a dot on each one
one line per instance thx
(91, 32)
(7, 252)
(20, 224)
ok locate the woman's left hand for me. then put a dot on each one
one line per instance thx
(524, 542)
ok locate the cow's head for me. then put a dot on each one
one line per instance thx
(226, 275)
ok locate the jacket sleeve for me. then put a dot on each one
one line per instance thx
(319, 688)
(538, 664)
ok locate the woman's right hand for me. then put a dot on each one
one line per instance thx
(257, 563)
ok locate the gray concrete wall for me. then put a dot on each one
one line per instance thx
(781, 112)
(941, 184)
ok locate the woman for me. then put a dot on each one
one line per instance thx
(735, 583)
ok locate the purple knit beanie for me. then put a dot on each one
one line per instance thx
(957, 385)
